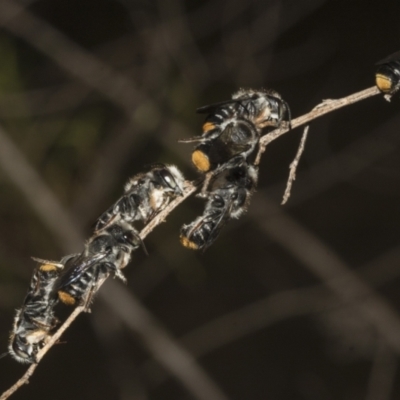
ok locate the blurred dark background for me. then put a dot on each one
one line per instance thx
(92, 91)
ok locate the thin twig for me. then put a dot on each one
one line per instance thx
(25, 378)
(322, 261)
(323, 108)
(293, 166)
(323, 175)
(190, 188)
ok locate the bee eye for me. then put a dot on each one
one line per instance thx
(218, 201)
(128, 237)
(168, 180)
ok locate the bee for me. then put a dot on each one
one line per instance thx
(34, 322)
(387, 76)
(234, 127)
(229, 195)
(107, 252)
(145, 195)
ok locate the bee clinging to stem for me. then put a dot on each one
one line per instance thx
(233, 127)
(228, 197)
(35, 320)
(387, 76)
(146, 194)
(106, 253)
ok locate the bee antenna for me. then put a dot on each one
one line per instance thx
(191, 140)
(140, 240)
(144, 247)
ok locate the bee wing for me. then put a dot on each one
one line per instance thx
(393, 57)
(223, 218)
(104, 220)
(212, 107)
(79, 266)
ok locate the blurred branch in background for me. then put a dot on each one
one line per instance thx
(383, 374)
(38, 194)
(324, 263)
(22, 174)
(182, 359)
(96, 89)
(98, 75)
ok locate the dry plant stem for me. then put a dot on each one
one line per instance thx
(189, 189)
(25, 378)
(293, 166)
(323, 108)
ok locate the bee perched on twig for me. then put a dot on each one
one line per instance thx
(234, 127)
(35, 320)
(146, 194)
(228, 197)
(387, 76)
(106, 253)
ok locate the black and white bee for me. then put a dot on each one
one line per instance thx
(106, 253)
(145, 195)
(228, 198)
(234, 127)
(387, 76)
(34, 322)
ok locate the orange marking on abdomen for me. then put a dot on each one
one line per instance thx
(208, 126)
(66, 298)
(48, 267)
(383, 82)
(188, 243)
(201, 161)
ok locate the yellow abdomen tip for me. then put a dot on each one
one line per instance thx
(201, 161)
(66, 298)
(47, 267)
(208, 126)
(188, 243)
(383, 82)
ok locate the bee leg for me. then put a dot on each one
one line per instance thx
(101, 224)
(116, 272)
(203, 192)
(87, 299)
(387, 97)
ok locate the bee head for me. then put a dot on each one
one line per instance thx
(23, 350)
(171, 179)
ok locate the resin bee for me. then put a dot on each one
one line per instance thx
(107, 252)
(387, 76)
(234, 127)
(145, 195)
(229, 195)
(34, 322)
